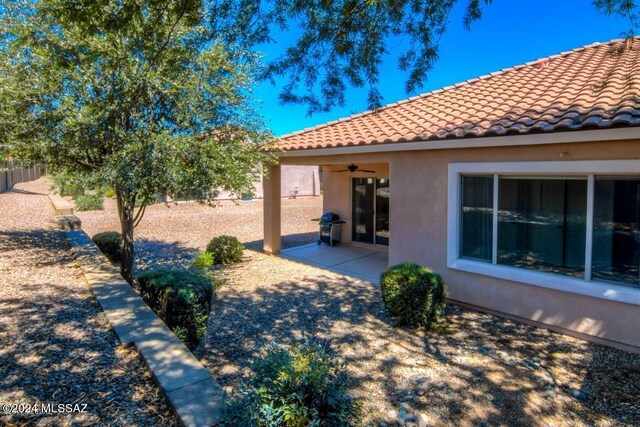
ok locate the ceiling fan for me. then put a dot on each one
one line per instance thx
(352, 168)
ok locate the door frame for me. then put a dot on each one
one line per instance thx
(375, 212)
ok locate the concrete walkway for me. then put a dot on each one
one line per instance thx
(194, 394)
(350, 260)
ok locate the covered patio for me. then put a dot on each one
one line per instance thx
(355, 188)
(358, 192)
(360, 262)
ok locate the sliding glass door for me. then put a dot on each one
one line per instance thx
(363, 210)
(370, 206)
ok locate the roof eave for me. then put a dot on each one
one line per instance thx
(565, 137)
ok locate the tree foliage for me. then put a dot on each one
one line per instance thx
(343, 43)
(627, 9)
(123, 88)
(151, 97)
(139, 96)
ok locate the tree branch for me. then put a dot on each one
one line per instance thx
(139, 215)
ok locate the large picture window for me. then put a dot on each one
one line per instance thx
(581, 226)
(616, 230)
(477, 217)
(541, 224)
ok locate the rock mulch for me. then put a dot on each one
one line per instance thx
(56, 346)
(476, 369)
(170, 235)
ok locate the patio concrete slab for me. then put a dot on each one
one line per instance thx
(326, 255)
(370, 268)
(355, 261)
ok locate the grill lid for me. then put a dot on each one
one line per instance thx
(329, 218)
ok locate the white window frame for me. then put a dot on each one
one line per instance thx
(590, 169)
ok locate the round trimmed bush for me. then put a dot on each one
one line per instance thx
(413, 295)
(181, 298)
(109, 243)
(225, 250)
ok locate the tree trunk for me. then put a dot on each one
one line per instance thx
(126, 213)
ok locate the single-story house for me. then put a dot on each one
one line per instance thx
(521, 188)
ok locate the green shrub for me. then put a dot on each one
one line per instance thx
(109, 243)
(109, 193)
(202, 261)
(225, 250)
(413, 295)
(300, 385)
(181, 298)
(67, 184)
(93, 202)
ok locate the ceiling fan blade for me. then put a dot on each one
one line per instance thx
(355, 169)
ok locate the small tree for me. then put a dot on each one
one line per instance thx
(140, 96)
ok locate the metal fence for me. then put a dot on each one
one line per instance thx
(11, 175)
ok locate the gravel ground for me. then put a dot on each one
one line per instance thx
(477, 369)
(56, 346)
(170, 235)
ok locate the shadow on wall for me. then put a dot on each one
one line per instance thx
(480, 366)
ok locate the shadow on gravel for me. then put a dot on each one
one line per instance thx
(581, 382)
(25, 192)
(37, 239)
(484, 370)
(155, 254)
(56, 349)
(150, 254)
(62, 356)
(288, 241)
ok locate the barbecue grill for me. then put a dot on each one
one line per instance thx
(330, 229)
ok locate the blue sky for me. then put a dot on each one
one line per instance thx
(511, 32)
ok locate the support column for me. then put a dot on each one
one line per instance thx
(272, 202)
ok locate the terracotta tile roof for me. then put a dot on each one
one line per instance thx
(592, 87)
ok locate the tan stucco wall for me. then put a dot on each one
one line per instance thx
(306, 178)
(418, 228)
